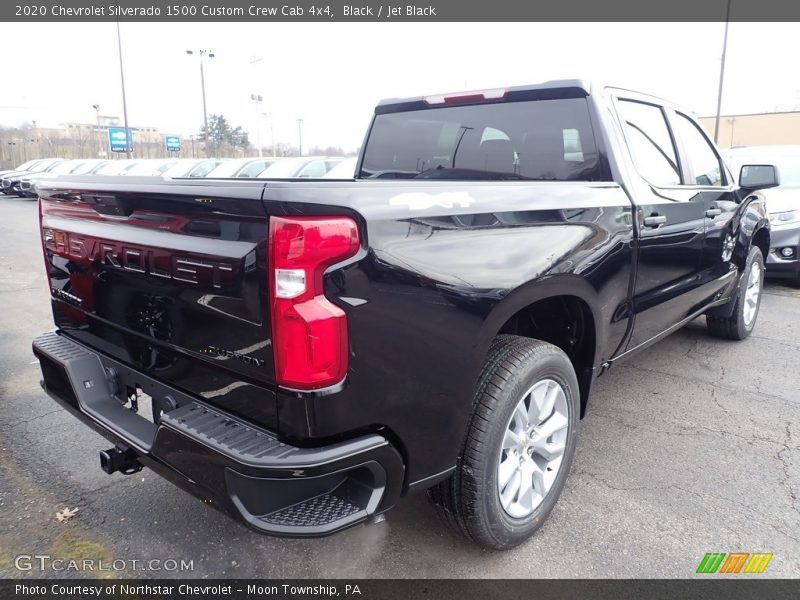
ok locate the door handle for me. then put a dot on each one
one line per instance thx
(655, 221)
(713, 212)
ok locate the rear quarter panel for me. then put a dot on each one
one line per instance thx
(444, 266)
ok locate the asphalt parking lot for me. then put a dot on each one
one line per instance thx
(691, 447)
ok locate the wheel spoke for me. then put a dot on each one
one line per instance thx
(755, 275)
(548, 450)
(553, 425)
(526, 485)
(543, 399)
(539, 484)
(521, 416)
(511, 440)
(511, 489)
(506, 470)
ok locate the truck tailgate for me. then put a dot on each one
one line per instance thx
(169, 280)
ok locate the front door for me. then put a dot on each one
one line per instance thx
(707, 177)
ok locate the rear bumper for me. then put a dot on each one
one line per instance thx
(246, 471)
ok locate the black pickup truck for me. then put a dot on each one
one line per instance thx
(303, 353)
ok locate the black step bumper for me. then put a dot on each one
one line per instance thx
(246, 471)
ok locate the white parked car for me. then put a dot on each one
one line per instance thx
(242, 167)
(301, 166)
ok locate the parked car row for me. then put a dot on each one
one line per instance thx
(22, 180)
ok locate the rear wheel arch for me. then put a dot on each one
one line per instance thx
(569, 301)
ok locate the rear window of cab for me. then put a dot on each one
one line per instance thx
(541, 140)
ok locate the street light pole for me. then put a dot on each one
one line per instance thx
(205, 110)
(96, 107)
(271, 132)
(35, 139)
(257, 99)
(300, 134)
(124, 101)
(209, 54)
(722, 72)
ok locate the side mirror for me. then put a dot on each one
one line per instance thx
(758, 177)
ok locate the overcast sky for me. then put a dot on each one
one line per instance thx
(331, 75)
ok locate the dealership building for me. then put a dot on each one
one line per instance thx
(758, 129)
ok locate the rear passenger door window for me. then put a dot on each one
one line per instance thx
(704, 165)
(650, 142)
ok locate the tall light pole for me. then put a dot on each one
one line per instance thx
(36, 139)
(96, 108)
(271, 132)
(257, 100)
(124, 100)
(202, 54)
(300, 134)
(722, 72)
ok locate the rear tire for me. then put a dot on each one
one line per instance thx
(519, 445)
(746, 303)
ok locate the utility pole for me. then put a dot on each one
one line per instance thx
(300, 134)
(209, 54)
(271, 132)
(124, 101)
(722, 72)
(35, 139)
(96, 108)
(205, 110)
(257, 99)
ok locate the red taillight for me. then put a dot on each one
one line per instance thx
(309, 333)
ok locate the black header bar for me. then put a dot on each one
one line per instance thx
(397, 10)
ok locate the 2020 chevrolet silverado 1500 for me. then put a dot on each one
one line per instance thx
(315, 349)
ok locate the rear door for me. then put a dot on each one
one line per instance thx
(670, 221)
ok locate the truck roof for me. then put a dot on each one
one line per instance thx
(557, 88)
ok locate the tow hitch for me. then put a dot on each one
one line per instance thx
(124, 461)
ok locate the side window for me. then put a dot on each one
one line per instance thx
(702, 160)
(650, 143)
